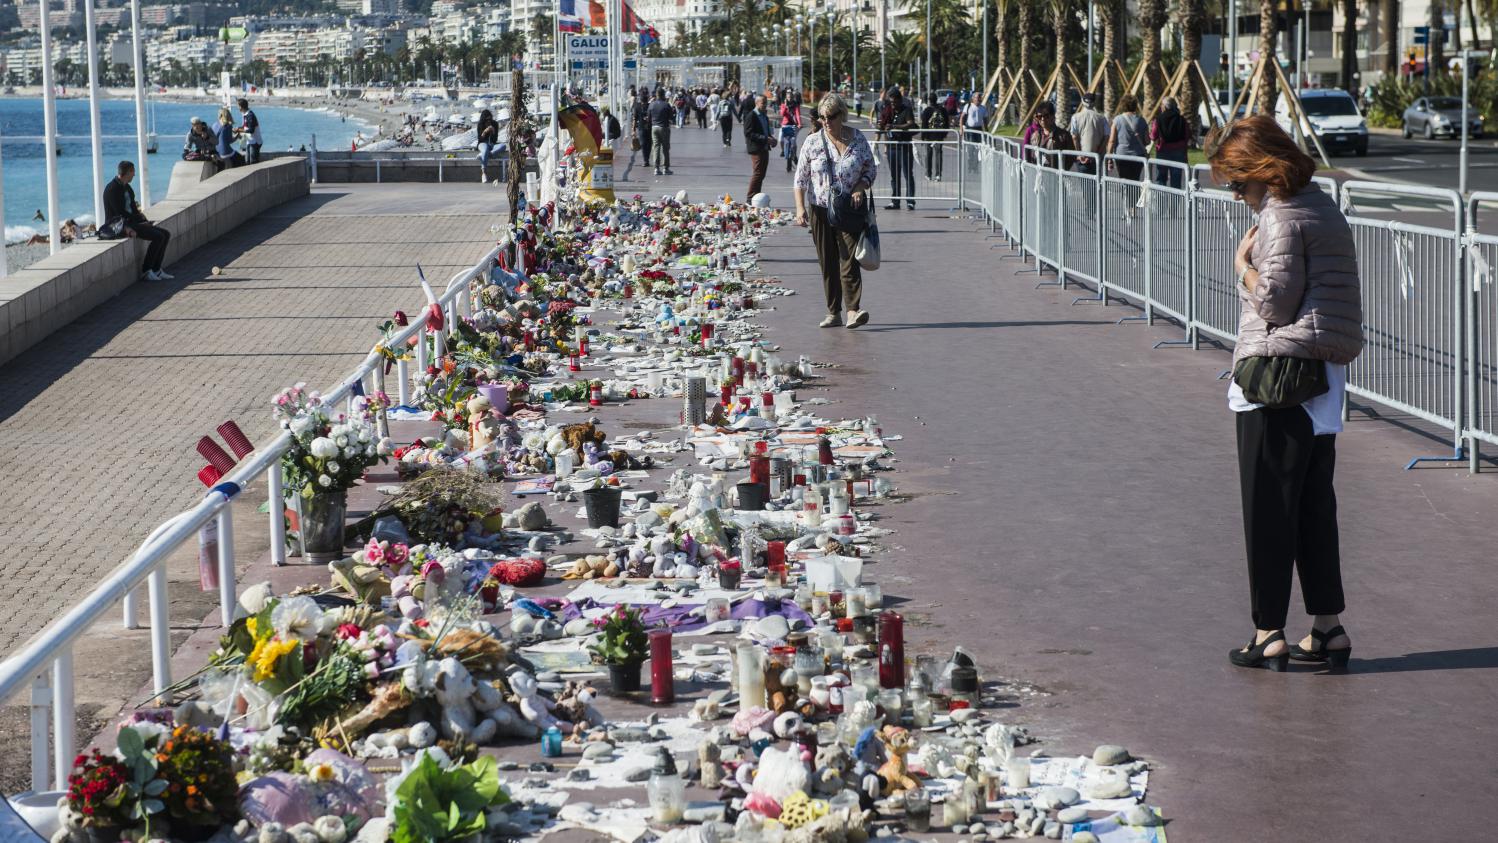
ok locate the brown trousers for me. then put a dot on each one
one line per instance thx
(842, 277)
(758, 162)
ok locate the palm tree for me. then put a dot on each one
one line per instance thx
(1151, 18)
(1388, 21)
(1435, 54)
(1060, 11)
(1267, 84)
(902, 49)
(1113, 28)
(1350, 43)
(1001, 33)
(1026, 26)
(1191, 16)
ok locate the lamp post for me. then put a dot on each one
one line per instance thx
(1232, 53)
(928, 47)
(857, 31)
(883, 36)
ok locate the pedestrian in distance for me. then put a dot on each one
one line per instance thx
(488, 141)
(124, 219)
(837, 158)
(611, 128)
(223, 140)
(757, 142)
(896, 122)
(935, 121)
(700, 107)
(1129, 136)
(790, 128)
(1299, 326)
(661, 115)
(640, 118)
(1090, 129)
(1171, 136)
(249, 131)
(726, 107)
(1044, 134)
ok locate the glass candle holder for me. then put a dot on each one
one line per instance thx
(918, 810)
(873, 596)
(662, 681)
(855, 602)
(893, 703)
(1017, 774)
(921, 711)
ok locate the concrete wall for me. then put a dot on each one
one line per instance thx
(49, 294)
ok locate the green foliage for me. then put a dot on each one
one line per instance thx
(145, 788)
(433, 804)
(624, 640)
(332, 685)
(1394, 94)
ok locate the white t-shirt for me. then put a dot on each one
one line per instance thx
(1325, 409)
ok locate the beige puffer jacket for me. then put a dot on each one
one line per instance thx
(1307, 302)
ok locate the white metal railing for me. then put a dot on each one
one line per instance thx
(1163, 236)
(45, 663)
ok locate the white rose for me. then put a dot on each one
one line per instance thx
(297, 617)
(324, 480)
(341, 440)
(385, 446)
(350, 452)
(364, 435)
(300, 425)
(324, 448)
(333, 467)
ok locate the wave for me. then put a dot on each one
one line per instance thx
(20, 233)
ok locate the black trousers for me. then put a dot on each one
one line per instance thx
(1289, 514)
(901, 166)
(253, 156)
(842, 277)
(643, 135)
(157, 239)
(726, 124)
(933, 160)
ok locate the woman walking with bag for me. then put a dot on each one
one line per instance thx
(833, 177)
(1300, 325)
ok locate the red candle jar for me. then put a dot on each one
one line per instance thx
(573, 365)
(582, 345)
(767, 399)
(824, 450)
(751, 367)
(662, 682)
(595, 395)
(891, 650)
(530, 340)
(629, 291)
(707, 333)
(725, 394)
(759, 470)
(738, 367)
(775, 553)
(744, 401)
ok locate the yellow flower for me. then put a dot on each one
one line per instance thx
(321, 772)
(250, 626)
(267, 652)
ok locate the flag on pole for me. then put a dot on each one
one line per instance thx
(597, 17)
(567, 18)
(648, 36)
(631, 22)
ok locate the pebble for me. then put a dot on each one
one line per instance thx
(636, 776)
(704, 812)
(659, 733)
(628, 734)
(979, 838)
(578, 626)
(704, 649)
(1084, 837)
(959, 829)
(579, 774)
(962, 715)
(1072, 815)
(1057, 797)
(1141, 815)
(598, 750)
(1053, 831)
(509, 765)
(885, 831)
(977, 828)
(542, 767)
(772, 627)
(1109, 754)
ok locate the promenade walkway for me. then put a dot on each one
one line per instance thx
(1073, 513)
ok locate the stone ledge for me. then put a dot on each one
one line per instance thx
(54, 291)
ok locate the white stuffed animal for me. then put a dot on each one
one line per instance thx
(533, 706)
(455, 688)
(781, 773)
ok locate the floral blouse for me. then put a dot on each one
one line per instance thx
(818, 161)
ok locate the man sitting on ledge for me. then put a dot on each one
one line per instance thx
(122, 218)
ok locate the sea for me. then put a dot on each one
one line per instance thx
(24, 166)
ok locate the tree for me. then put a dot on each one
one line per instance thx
(1060, 11)
(1267, 59)
(1026, 31)
(1191, 17)
(1435, 50)
(1388, 22)
(1151, 18)
(1350, 45)
(1113, 29)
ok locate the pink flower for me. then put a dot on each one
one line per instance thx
(349, 631)
(374, 552)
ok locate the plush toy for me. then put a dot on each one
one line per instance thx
(576, 702)
(534, 707)
(365, 582)
(832, 763)
(780, 689)
(897, 778)
(781, 773)
(709, 758)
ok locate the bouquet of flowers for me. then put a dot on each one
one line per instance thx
(329, 452)
(99, 790)
(624, 640)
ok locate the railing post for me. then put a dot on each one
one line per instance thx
(382, 421)
(312, 158)
(377, 170)
(277, 504)
(1149, 252)
(439, 170)
(41, 703)
(439, 343)
(129, 610)
(161, 632)
(1192, 333)
(64, 716)
(226, 589)
(403, 382)
(961, 169)
(421, 351)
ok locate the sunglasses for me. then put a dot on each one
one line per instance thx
(1237, 186)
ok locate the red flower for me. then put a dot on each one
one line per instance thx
(348, 631)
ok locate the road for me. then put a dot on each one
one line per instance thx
(1428, 162)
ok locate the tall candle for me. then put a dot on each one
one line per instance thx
(662, 682)
(891, 650)
(751, 676)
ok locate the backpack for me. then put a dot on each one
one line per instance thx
(1172, 127)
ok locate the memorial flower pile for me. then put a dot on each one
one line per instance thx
(329, 452)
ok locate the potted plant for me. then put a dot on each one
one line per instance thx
(328, 454)
(601, 503)
(437, 804)
(622, 646)
(100, 791)
(201, 794)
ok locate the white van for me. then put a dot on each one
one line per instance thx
(1334, 118)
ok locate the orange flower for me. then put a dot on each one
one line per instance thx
(192, 789)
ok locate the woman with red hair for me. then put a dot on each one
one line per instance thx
(1299, 327)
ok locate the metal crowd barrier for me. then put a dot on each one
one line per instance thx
(920, 170)
(1163, 236)
(44, 666)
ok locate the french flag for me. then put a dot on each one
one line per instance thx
(568, 19)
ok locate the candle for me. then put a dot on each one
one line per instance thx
(918, 810)
(582, 345)
(893, 704)
(759, 472)
(892, 650)
(707, 334)
(662, 683)
(921, 711)
(1017, 774)
(775, 553)
(573, 365)
(853, 600)
(751, 676)
(824, 450)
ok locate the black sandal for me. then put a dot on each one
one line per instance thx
(1319, 652)
(1254, 656)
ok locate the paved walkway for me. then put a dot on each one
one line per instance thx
(1076, 523)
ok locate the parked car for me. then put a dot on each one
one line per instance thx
(1334, 117)
(1432, 116)
(1204, 119)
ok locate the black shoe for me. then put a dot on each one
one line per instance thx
(1319, 652)
(668, 172)
(1254, 656)
(912, 206)
(893, 206)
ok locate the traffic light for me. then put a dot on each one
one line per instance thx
(1224, 62)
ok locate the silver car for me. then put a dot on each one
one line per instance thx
(1432, 116)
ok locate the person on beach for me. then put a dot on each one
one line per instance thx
(1130, 136)
(838, 155)
(223, 140)
(249, 128)
(1299, 287)
(488, 141)
(757, 142)
(123, 212)
(661, 116)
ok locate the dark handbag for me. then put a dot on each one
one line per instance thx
(1280, 382)
(843, 213)
(112, 230)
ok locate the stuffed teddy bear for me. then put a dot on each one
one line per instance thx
(576, 701)
(534, 707)
(897, 778)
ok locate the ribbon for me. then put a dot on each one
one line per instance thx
(1402, 259)
(434, 317)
